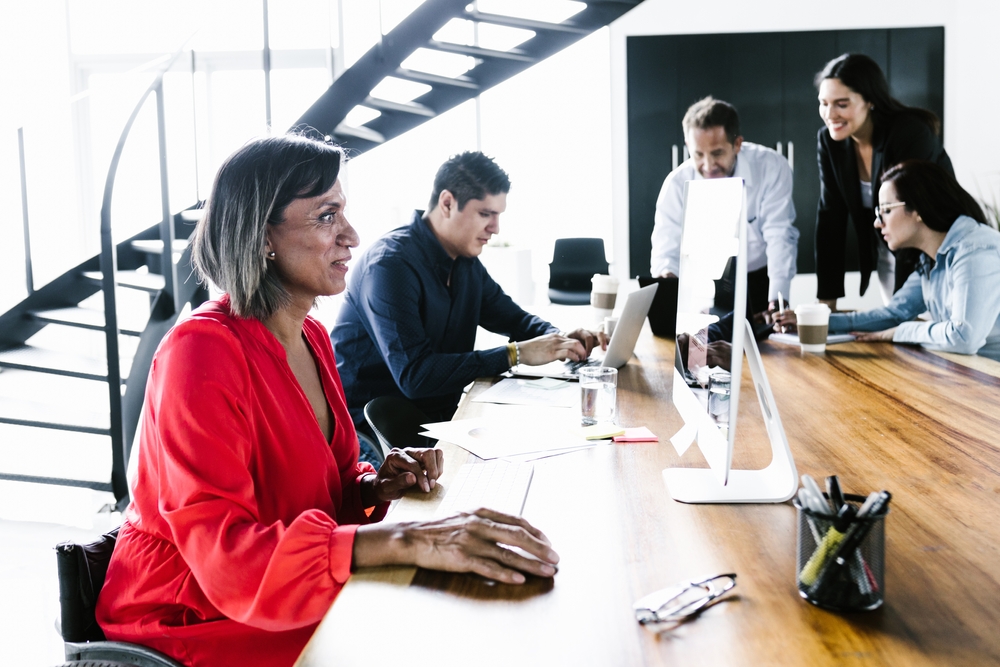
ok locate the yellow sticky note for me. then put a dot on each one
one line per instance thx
(599, 431)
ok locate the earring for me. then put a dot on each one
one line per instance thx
(270, 255)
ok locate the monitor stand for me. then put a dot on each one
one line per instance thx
(776, 483)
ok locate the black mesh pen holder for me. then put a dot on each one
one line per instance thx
(841, 560)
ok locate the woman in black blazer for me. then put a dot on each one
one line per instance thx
(866, 132)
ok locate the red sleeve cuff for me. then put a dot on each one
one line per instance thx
(342, 552)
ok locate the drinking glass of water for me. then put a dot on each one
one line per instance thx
(598, 395)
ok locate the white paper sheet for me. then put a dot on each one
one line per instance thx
(497, 437)
(512, 391)
(536, 456)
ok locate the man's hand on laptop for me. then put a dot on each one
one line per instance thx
(590, 339)
(553, 347)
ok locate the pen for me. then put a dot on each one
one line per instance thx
(813, 488)
(781, 309)
(833, 490)
(805, 501)
(869, 501)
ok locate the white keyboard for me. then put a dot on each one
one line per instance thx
(496, 484)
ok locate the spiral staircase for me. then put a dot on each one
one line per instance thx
(95, 295)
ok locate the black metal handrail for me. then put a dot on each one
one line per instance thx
(109, 262)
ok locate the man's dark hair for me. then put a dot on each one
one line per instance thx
(469, 175)
(710, 112)
(933, 193)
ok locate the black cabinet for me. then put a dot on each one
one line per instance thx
(769, 78)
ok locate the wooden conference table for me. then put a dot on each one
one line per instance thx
(921, 425)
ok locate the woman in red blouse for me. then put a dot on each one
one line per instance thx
(250, 507)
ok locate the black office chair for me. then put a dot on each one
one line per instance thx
(396, 421)
(574, 263)
(82, 568)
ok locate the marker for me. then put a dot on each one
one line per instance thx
(830, 546)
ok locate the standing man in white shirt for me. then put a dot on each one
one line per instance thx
(712, 135)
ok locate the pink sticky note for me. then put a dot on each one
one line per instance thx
(639, 434)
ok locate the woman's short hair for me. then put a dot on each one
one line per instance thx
(469, 175)
(863, 75)
(709, 112)
(251, 191)
(933, 193)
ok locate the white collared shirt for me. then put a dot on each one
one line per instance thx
(772, 239)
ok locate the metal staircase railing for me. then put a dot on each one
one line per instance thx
(168, 282)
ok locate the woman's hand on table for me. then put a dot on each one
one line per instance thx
(402, 470)
(875, 336)
(466, 542)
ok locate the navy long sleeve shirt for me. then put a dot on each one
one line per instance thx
(405, 330)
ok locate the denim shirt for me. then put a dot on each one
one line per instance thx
(408, 325)
(960, 290)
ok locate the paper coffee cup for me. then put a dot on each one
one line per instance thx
(604, 291)
(813, 322)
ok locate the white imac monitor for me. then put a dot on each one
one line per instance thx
(712, 334)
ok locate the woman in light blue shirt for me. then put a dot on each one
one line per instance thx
(957, 280)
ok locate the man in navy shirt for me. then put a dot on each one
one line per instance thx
(417, 295)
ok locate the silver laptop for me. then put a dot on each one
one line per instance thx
(619, 349)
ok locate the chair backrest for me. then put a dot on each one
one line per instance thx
(82, 569)
(396, 421)
(574, 263)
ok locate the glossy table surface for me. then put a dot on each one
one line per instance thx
(881, 416)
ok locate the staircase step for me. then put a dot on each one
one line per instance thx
(30, 413)
(525, 24)
(479, 52)
(403, 107)
(155, 246)
(360, 133)
(42, 360)
(147, 282)
(57, 481)
(90, 318)
(436, 79)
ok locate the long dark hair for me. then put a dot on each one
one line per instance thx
(933, 193)
(863, 75)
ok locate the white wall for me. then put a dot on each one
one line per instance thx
(971, 75)
(33, 50)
